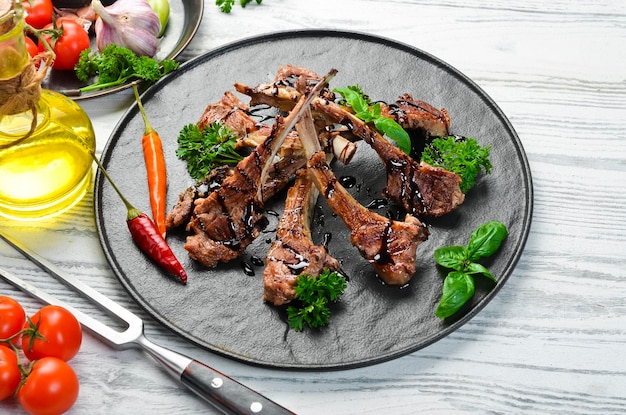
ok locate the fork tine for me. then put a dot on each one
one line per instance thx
(100, 330)
(117, 339)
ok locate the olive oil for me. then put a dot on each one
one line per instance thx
(50, 171)
(45, 160)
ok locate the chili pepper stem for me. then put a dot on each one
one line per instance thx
(142, 111)
(133, 212)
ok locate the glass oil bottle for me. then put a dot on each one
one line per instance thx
(50, 171)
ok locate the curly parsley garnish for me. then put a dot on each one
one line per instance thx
(312, 299)
(463, 156)
(117, 65)
(226, 6)
(207, 148)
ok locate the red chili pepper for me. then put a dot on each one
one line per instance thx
(155, 167)
(146, 235)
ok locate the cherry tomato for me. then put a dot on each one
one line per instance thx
(72, 41)
(51, 387)
(12, 318)
(10, 375)
(31, 47)
(39, 14)
(52, 332)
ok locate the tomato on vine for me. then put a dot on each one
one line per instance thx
(51, 387)
(39, 13)
(10, 374)
(12, 318)
(52, 332)
(68, 39)
(31, 47)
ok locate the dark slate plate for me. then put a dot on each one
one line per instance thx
(221, 309)
(185, 18)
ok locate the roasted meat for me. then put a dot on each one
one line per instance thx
(390, 246)
(293, 252)
(410, 113)
(283, 93)
(181, 212)
(420, 188)
(414, 114)
(231, 111)
(281, 174)
(230, 218)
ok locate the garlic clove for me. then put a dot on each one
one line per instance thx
(129, 23)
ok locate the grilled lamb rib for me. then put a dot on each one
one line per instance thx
(410, 113)
(231, 111)
(293, 252)
(414, 114)
(230, 218)
(420, 188)
(389, 245)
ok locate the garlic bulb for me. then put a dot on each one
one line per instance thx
(129, 23)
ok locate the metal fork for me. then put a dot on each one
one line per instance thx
(224, 393)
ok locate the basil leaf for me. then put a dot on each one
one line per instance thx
(486, 239)
(354, 99)
(474, 268)
(452, 257)
(458, 288)
(395, 132)
(375, 110)
(366, 116)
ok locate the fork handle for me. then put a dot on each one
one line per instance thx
(226, 394)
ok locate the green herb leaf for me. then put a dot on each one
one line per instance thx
(458, 288)
(394, 131)
(312, 299)
(354, 98)
(205, 149)
(360, 103)
(486, 240)
(463, 156)
(452, 257)
(116, 65)
(226, 6)
(476, 268)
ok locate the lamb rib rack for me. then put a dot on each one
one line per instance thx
(420, 188)
(389, 245)
(230, 218)
(281, 174)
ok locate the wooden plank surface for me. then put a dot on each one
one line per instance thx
(553, 339)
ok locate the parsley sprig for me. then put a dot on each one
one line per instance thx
(364, 110)
(458, 287)
(312, 299)
(116, 65)
(461, 155)
(226, 6)
(206, 148)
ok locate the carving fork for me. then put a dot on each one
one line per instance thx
(224, 393)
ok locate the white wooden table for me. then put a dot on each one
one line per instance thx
(552, 341)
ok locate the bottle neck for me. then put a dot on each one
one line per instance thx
(13, 54)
